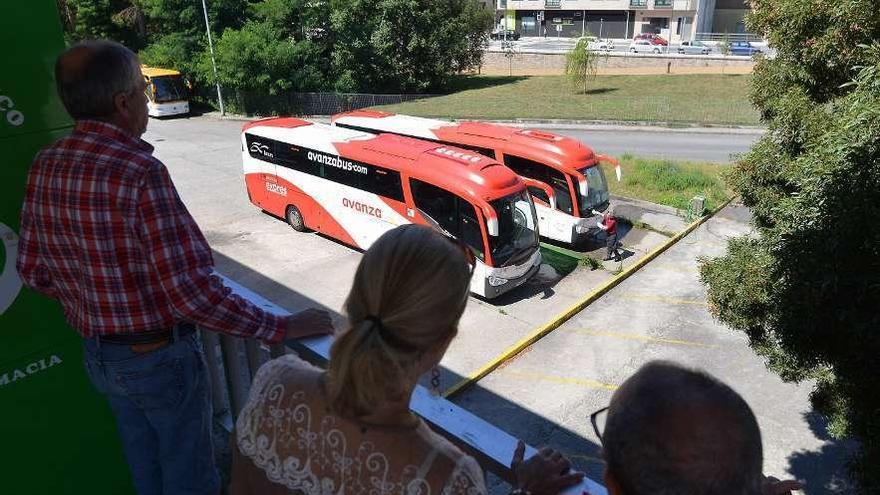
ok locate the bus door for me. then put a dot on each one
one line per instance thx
(451, 215)
(552, 223)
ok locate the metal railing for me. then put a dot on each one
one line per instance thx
(250, 103)
(727, 37)
(233, 362)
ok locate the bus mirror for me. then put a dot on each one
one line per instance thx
(582, 185)
(153, 89)
(189, 85)
(492, 226)
(552, 198)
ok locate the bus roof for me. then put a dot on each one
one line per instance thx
(561, 152)
(460, 171)
(157, 72)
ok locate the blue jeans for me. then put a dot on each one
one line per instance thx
(162, 403)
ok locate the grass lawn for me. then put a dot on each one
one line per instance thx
(666, 182)
(684, 99)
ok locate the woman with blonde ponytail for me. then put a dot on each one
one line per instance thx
(349, 430)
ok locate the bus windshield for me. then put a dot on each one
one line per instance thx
(597, 190)
(517, 229)
(169, 88)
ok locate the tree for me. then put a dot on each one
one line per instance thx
(256, 59)
(102, 19)
(805, 289)
(404, 45)
(581, 64)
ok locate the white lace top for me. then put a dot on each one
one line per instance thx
(288, 441)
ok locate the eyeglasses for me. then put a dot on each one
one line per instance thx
(598, 419)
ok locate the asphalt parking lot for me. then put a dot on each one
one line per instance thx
(545, 394)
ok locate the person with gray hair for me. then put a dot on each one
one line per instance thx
(670, 430)
(104, 232)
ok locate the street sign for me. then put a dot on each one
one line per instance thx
(540, 16)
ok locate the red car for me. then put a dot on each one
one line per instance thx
(655, 39)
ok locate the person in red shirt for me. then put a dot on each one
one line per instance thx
(104, 232)
(609, 224)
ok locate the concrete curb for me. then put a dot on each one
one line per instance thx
(587, 125)
(576, 308)
(645, 205)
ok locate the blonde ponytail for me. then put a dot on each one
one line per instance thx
(408, 294)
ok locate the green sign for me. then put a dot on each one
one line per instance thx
(58, 434)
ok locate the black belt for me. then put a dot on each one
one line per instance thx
(183, 329)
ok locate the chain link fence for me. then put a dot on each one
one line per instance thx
(249, 103)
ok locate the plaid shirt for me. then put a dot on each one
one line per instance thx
(104, 232)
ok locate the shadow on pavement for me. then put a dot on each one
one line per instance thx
(519, 422)
(820, 469)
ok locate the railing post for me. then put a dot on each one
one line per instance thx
(237, 373)
(219, 392)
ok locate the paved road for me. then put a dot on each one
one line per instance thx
(673, 145)
(546, 394)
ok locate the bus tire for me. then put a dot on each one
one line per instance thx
(295, 219)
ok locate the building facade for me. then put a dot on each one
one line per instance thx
(674, 20)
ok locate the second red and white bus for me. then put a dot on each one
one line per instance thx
(354, 186)
(563, 175)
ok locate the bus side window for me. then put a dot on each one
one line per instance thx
(345, 177)
(452, 214)
(289, 156)
(539, 194)
(385, 183)
(527, 168)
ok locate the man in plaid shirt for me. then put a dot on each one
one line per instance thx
(104, 232)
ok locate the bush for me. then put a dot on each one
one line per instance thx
(807, 288)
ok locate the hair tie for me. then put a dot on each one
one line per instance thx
(388, 337)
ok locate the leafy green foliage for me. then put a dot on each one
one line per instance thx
(806, 290)
(404, 45)
(581, 64)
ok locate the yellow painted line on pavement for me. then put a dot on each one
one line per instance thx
(581, 382)
(643, 338)
(576, 308)
(663, 299)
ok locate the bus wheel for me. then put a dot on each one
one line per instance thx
(295, 219)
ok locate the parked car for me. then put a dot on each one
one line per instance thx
(499, 34)
(655, 39)
(594, 43)
(644, 46)
(743, 48)
(694, 48)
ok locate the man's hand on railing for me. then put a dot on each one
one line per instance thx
(308, 322)
(545, 473)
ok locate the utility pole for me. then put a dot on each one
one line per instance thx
(213, 61)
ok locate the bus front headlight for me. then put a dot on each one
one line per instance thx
(496, 281)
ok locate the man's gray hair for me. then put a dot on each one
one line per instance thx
(676, 431)
(90, 74)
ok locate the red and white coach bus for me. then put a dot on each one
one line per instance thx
(565, 180)
(354, 186)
